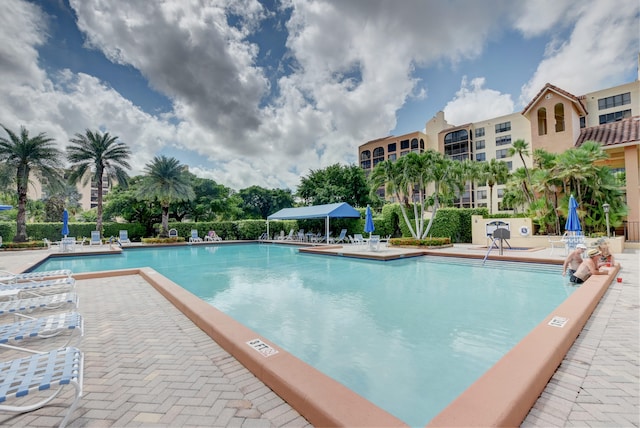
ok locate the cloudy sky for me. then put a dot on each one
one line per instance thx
(261, 92)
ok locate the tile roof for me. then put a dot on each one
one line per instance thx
(609, 134)
(577, 101)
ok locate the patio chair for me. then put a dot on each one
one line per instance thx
(340, 238)
(38, 373)
(68, 244)
(36, 288)
(194, 236)
(212, 236)
(95, 238)
(123, 237)
(20, 307)
(290, 236)
(41, 328)
(262, 237)
(7, 277)
(358, 239)
(374, 242)
(558, 243)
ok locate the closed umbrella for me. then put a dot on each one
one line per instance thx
(573, 222)
(368, 222)
(65, 223)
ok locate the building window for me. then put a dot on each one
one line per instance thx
(457, 145)
(479, 132)
(415, 147)
(583, 122)
(392, 156)
(482, 194)
(404, 144)
(500, 193)
(509, 165)
(542, 121)
(481, 156)
(503, 127)
(501, 141)
(501, 154)
(614, 101)
(365, 159)
(404, 152)
(479, 144)
(378, 155)
(558, 112)
(391, 147)
(614, 117)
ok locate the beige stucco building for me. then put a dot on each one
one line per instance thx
(554, 120)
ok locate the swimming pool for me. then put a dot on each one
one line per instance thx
(409, 335)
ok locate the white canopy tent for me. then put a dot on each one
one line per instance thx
(339, 210)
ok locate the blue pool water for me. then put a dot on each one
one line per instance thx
(409, 335)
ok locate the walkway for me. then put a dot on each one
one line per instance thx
(148, 365)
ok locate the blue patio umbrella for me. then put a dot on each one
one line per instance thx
(573, 222)
(5, 207)
(65, 223)
(368, 222)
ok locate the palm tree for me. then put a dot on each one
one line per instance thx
(24, 155)
(165, 180)
(521, 148)
(103, 156)
(494, 172)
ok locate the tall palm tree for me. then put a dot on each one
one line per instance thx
(24, 155)
(165, 180)
(103, 156)
(521, 148)
(494, 172)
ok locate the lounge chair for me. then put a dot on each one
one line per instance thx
(95, 238)
(374, 242)
(123, 237)
(290, 236)
(7, 277)
(37, 373)
(212, 236)
(68, 244)
(36, 288)
(41, 328)
(49, 302)
(340, 238)
(262, 237)
(358, 239)
(194, 236)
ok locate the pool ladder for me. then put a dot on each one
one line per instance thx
(494, 245)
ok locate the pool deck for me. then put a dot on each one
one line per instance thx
(136, 370)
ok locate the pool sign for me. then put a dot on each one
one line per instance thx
(558, 321)
(262, 347)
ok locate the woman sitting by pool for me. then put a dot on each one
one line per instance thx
(606, 258)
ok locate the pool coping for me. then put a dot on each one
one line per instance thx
(503, 396)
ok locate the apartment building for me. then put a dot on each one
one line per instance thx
(554, 120)
(88, 193)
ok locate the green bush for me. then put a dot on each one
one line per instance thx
(428, 242)
(7, 231)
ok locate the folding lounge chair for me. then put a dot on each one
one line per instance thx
(41, 328)
(10, 277)
(340, 238)
(95, 238)
(37, 373)
(20, 307)
(36, 288)
(358, 239)
(123, 237)
(194, 236)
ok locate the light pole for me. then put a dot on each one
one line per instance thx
(605, 207)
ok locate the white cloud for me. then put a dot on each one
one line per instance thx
(350, 67)
(474, 103)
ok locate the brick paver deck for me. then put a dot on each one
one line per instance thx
(146, 364)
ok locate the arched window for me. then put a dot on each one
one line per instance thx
(542, 121)
(414, 145)
(378, 155)
(365, 159)
(558, 111)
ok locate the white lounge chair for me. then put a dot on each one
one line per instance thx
(374, 242)
(52, 301)
(95, 238)
(68, 244)
(290, 236)
(212, 236)
(194, 236)
(41, 328)
(340, 238)
(123, 237)
(36, 288)
(358, 239)
(10, 277)
(37, 373)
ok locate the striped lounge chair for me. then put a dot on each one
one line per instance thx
(49, 302)
(69, 323)
(10, 277)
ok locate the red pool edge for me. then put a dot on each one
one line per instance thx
(503, 396)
